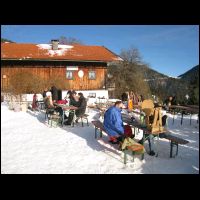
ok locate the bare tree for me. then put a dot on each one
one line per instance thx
(131, 55)
(126, 75)
(69, 40)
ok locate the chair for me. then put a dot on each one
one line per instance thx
(48, 113)
(54, 119)
(83, 117)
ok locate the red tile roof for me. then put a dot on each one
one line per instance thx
(65, 52)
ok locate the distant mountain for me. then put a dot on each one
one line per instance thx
(163, 86)
(190, 74)
(191, 78)
(160, 84)
(150, 74)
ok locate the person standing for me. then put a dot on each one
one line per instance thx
(54, 92)
(44, 94)
(81, 107)
(35, 102)
(130, 101)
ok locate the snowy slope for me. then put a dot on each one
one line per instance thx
(28, 145)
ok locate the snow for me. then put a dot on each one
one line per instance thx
(62, 46)
(44, 46)
(62, 49)
(30, 146)
(49, 46)
(175, 77)
(118, 58)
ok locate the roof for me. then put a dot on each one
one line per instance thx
(21, 51)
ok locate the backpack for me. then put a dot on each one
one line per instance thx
(128, 131)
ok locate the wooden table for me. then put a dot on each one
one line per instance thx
(191, 110)
(146, 133)
(67, 108)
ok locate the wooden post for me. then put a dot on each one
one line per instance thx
(95, 132)
(182, 117)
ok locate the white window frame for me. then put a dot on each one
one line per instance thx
(89, 77)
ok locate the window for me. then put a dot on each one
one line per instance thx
(92, 75)
(69, 75)
(92, 95)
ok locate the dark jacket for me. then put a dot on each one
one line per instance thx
(81, 107)
(44, 94)
(124, 97)
(72, 102)
(54, 92)
(113, 121)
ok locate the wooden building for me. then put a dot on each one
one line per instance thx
(82, 67)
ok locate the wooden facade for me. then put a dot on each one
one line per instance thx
(46, 69)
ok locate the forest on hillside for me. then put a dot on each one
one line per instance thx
(135, 75)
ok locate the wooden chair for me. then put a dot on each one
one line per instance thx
(54, 119)
(83, 117)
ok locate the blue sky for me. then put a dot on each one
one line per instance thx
(169, 49)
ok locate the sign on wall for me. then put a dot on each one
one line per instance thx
(81, 73)
(72, 68)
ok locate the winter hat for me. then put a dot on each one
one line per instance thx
(48, 94)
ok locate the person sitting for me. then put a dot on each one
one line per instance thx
(113, 123)
(73, 101)
(49, 105)
(81, 107)
(168, 103)
(125, 97)
(173, 101)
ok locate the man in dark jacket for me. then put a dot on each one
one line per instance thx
(81, 106)
(113, 122)
(44, 93)
(54, 92)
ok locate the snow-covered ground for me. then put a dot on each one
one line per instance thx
(29, 146)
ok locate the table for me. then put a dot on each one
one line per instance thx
(191, 110)
(146, 133)
(67, 108)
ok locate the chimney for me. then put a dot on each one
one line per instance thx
(55, 44)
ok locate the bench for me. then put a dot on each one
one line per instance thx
(175, 141)
(134, 148)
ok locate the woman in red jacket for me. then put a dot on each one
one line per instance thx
(35, 103)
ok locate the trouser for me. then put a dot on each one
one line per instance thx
(164, 120)
(59, 109)
(127, 133)
(151, 142)
(70, 117)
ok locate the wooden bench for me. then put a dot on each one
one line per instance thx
(134, 148)
(175, 141)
